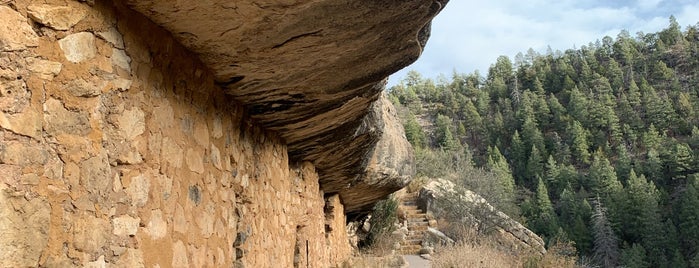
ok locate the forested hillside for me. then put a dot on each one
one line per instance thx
(597, 145)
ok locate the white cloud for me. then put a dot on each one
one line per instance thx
(648, 4)
(689, 15)
(469, 36)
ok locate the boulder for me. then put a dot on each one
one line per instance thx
(511, 232)
(388, 167)
(435, 237)
(310, 70)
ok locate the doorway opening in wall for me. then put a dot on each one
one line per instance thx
(301, 245)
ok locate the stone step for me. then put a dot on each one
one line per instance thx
(410, 249)
(417, 228)
(415, 237)
(412, 242)
(417, 217)
(417, 223)
(410, 207)
(414, 213)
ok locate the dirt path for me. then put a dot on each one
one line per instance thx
(415, 261)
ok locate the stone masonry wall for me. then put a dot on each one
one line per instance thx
(117, 150)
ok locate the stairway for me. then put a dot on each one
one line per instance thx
(417, 225)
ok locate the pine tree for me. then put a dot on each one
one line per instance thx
(632, 100)
(579, 143)
(551, 174)
(473, 120)
(578, 105)
(413, 131)
(678, 160)
(688, 221)
(567, 208)
(532, 136)
(606, 245)
(559, 114)
(642, 221)
(641, 210)
(623, 163)
(678, 260)
(498, 164)
(535, 166)
(445, 138)
(519, 156)
(545, 222)
(602, 178)
(634, 257)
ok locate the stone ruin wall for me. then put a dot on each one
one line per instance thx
(117, 150)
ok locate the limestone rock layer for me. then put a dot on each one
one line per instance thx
(309, 70)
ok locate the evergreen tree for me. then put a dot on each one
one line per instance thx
(678, 161)
(602, 178)
(519, 156)
(535, 166)
(445, 138)
(578, 105)
(623, 163)
(634, 257)
(498, 165)
(631, 99)
(413, 131)
(678, 260)
(641, 207)
(606, 245)
(551, 175)
(545, 222)
(579, 143)
(475, 124)
(688, 221)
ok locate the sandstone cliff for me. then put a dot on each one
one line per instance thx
(309, 70)
(197, 133)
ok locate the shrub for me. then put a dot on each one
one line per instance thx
(381, 225)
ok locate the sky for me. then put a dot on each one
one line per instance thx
(470, 35)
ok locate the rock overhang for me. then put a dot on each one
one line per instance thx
(312, 71)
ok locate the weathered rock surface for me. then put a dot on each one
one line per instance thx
(309, 70)
(78, 47)
(15, 32)
(390, 164)
(57, 17)
(513, 233)
(24, 225)
(119, 146)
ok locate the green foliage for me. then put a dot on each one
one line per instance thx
(616, 118)
(688, 220)
(413, 131)
(635, 257)
(383, 219)
(544, 221)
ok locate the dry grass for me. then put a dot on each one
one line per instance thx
(470, 255)
(367, 261)
(484, 252)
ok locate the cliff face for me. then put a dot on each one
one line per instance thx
(309, 70)
(121, 147)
